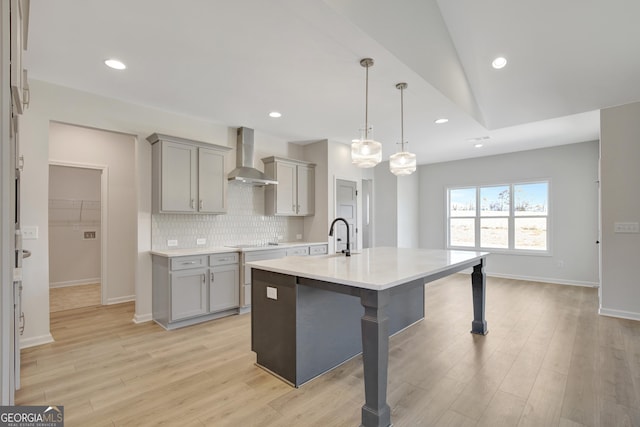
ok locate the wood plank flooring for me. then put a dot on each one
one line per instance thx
(549, 360)
(70, 297)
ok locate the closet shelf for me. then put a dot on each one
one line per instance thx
(74, 212)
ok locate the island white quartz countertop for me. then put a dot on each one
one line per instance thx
(374, 268)
(231, 248)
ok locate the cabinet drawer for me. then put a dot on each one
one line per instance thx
(223, 259)
(318, 250)
(186, 262)
(300, 251)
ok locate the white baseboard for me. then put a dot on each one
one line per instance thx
(89, 281)
(120, 300)
(619, 313)
(545, 280)
(34, 341)
(142, 318)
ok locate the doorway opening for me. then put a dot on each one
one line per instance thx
(346, 207)
(75, 237)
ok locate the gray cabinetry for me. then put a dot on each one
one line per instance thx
(294, 194)
(188, 293)
(224, 292)
(194, 289)
(188, 176)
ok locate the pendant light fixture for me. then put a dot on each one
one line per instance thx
(402, 163)
(365, 152)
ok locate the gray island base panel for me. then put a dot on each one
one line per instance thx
(303, 326)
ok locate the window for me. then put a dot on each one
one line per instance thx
(509, 217)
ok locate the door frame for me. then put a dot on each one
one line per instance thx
(104, 218)
(358, 236)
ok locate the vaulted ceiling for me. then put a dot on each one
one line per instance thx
(235, 61)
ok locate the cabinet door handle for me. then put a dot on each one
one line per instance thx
(193, 203)
(201, 204)
(204, 278)
(188, 262)
(212, 278)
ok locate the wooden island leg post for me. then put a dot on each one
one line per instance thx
(478, 286)
(375, 357)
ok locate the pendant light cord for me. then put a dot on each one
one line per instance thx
(366, 104)
(402, 118)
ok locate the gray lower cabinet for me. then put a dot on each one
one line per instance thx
(193, 289)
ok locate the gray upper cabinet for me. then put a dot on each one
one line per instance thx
(294, 194)
(188, 176)
(19, 31)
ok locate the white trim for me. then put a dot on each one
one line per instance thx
(120, 300)
(545, 280)
(34, 341)
(142, 318)
(79, 282)
(621, 314)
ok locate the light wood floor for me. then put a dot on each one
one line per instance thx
(70, 297)
(549, 360)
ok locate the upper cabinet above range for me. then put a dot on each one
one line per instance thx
(187, 176)
(294, 194)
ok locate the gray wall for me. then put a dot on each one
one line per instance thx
(620, 175)
(573, 172)
(385, 204)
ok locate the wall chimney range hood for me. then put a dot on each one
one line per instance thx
(244, 171)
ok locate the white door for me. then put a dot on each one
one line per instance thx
(347, 208)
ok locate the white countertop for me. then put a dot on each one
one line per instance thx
(374, 268)
(222, 249)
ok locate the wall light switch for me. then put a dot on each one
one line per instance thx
(626, 227)
(272, 293)
(172, 243)
(201, 241)
(30, 232)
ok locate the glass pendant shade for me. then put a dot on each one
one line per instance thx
(366, 153)
(402, 163)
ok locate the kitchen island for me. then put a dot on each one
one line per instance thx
(310, 314)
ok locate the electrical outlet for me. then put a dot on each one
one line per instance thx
(299, 236)
(272, 293)
(201, 241)
(172, 243)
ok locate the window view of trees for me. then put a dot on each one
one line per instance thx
(508, 217)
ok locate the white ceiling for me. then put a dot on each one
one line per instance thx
(235, 61)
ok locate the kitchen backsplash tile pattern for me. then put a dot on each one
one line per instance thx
(244, 223)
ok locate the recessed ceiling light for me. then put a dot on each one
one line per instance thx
(441, 121)
(478, 145)
(275, 114)
(478, 139)
(499, 62)
(115, 64)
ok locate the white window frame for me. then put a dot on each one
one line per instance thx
(511, 219)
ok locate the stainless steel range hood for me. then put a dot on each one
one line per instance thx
(244, 171)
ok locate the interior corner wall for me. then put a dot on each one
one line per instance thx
(385, 206)
(573, 173)
(316, 226)
(620, 202)
(408, 210)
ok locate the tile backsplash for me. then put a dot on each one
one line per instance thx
(244, 223)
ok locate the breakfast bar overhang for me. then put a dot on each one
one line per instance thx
(310, 314)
